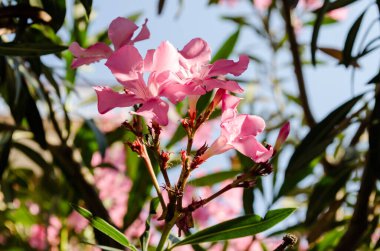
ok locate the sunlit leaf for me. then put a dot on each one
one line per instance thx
(239, 227)
(105, 227)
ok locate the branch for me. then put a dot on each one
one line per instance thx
(359, 221)
(297, 63)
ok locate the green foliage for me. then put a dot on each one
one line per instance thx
(238, 227)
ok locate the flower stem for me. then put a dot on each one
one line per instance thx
(166, 232)
(148, 163)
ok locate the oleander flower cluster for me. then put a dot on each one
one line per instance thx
(167, 74)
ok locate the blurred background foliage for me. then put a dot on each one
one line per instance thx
(46, 153)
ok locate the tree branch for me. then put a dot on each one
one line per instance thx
(359, 221)
(297, 63)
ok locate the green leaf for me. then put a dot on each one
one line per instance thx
(90, 139)
(105, 227)
(144, 239)
(34, 120)
(214, 178)
(313, 145)
(375, 79)
(317, 25)
(350, 40)
(29, 49)
(238, 227)
(34, 156)
(5, 148)
(228, 46)
(161, 4)
(105, 248)
(179, 134)
(325, 191)
(87, 4)
(57, 10)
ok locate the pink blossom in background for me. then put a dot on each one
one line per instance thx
(239, 131)
(53, 231)
(37, 237)
(112, 184)
(120, 33)
(338, 14)
(77, 222)
(262, 4)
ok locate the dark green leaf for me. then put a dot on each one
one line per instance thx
(248, 198)
(339, 4)
(350, 40)
(104, 227)
(375, 79)
(34, 156)
(238, 227)
(29, 49)
(214, 178)
(144, 239)
(34, 120)
(57, 10)
(100, 137)
(314, 144)
(5, 148)
(313, 44)
(325, 191)
(161, 4)
(87, 4)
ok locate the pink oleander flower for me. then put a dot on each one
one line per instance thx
(262, 4)
(38, 237)
(120, 33)
(188, 72)
(239, 131)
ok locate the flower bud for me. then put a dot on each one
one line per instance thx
(282, 136)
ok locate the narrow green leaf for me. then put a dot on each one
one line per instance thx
(214, 178)
(144, 238)
(238, 227)
(325, 191)
(29, 49)
(350, 40)
(317, 25)
(228, 46)
(34, 156)
(375, 79)
(5, 148)
(34, 120)
(87, 4)
(314, 144)
(248, 198)
(161, 4)
(105, 227)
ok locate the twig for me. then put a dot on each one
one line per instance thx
(297, 64)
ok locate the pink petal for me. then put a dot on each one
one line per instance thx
(197, 51)
(121, 31)
(250, 147)
(144, 33)
(229, 104)
(92, 54)
(156, 110)
(219, 146)
(224, 66)
(126, 63)
(231, 86)
(262, 4)
(138, 87)
(338, 14)
(252, 125)
(109, 99)
(175, 92)
(148, 61)
(166, 58)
